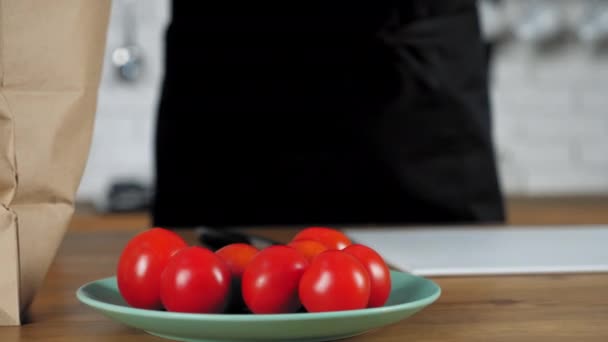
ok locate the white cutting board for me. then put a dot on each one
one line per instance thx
(435, 251)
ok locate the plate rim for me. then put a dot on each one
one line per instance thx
(420, 303)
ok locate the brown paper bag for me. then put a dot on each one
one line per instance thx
(50, 64)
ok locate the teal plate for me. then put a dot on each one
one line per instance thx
(409, 295)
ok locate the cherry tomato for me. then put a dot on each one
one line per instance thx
(379, 273)
(331, 238)
(270, 282)
(195, 280)
(237, 256)
(335, 281)
(141, 263)
(309, 248)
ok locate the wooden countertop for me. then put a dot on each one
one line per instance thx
(506, 308)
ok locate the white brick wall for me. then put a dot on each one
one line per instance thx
(124, 127)
(550, 111)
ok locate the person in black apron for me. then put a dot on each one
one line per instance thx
(300, 113)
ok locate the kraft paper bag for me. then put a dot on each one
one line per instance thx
(50, 66)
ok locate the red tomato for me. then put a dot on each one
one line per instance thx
(332, 238)
(237, 256)
(270, 282)
(195, 280)
(141, 263)
(335, 281)
(379, 274)
(309, 248)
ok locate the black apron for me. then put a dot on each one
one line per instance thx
(297, 113)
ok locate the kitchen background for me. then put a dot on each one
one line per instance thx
(549, 77)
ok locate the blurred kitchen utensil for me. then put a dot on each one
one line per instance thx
(128, 195)
(128, 58)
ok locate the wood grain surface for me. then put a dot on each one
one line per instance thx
(506, 308)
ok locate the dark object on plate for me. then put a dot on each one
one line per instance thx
(333, 113)
(215, 239)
